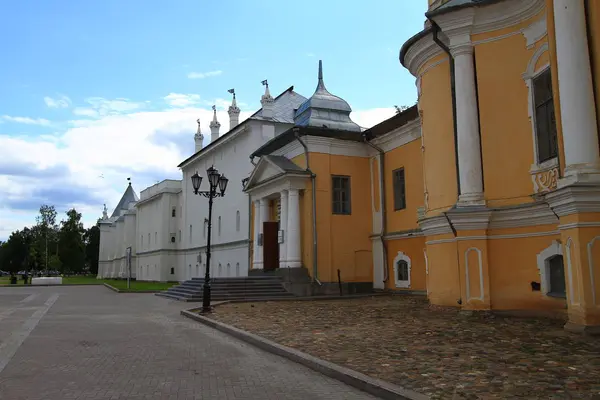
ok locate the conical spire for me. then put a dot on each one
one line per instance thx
(198, 137)
(214, 126)
(321, 83)
(233, 111)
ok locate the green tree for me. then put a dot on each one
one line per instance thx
(54, 263)
(70, 243)
(46, 233)
(14, 255)
(92, 248)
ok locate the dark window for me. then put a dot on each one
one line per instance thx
(172, 212)
(556, 270)
(172, 239)
(341, 194)
(399, 190)
(172, 271)
(402, 270)
(545, 118)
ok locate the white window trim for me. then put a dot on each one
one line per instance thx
(555, 249)
(402, 257)
(529, 75)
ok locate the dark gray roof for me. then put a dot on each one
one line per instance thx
(457, 4)
(325, 110)
(284, 108)
(284, 163)
(128, 197)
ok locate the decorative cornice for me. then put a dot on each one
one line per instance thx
(575, 199)
(400, 136)
(420, 52)
(437, 225)
(318, 144)
(470, 219)
(534, 214)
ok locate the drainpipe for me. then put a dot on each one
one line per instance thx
(250, 238)
(436, 39)
(383, 207)
(314, 205)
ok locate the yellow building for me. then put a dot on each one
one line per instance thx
(486, 195)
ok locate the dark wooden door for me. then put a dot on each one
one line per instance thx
(270, 246)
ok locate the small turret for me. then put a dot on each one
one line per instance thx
(234, 112)
(267, 101)
(198, 137)
(214, 126)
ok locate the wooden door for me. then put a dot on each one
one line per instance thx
(270, 246)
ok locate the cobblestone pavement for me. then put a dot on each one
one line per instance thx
(434, 351)
(62, 343)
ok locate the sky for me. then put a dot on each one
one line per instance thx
(94, 92)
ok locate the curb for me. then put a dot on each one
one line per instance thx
(47, 285)
(290, 298)
(114, 289)
(376, 387)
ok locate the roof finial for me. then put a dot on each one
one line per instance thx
(129, 180)
(104, 213)
(199, 131)
(214, 108)
(321, 84)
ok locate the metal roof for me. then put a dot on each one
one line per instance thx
(325, 110)
(128, 197)
(284, 107)
(284, 163)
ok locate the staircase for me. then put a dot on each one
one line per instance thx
(243, 288)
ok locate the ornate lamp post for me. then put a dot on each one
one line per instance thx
(217, 185)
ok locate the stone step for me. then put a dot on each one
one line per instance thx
(226, 293)
(264, 286)
(238, 280)
(224, 298)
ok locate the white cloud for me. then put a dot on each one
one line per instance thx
(368, 118)
(202, 75)
(182, 100)
(101, 107)
(27, 120)
(59, 102)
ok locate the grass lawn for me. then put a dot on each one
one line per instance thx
(91, 280)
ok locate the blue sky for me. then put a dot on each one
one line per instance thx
(96, 91)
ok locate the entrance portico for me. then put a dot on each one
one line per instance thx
(274, 188)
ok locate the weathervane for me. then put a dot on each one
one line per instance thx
(232, 91)
(214, 108)
(265, 83)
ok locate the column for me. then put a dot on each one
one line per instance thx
(293, 230)
(264, 217)
(283, 226)
(467, 120)
(257, 250)
(577, 107)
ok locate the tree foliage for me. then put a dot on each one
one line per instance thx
(66, 247)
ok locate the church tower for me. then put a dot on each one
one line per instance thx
(234, 112)
(214, 126)
(198, 137)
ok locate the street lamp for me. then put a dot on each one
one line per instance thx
(216, 182)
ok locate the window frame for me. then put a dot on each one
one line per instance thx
(334, 201)
(551, 138)
(402, 189)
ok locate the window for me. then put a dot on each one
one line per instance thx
(399, 189)
(149, 241)
(173, 239)
(172, 271)
(190, 234)
(219, 225)
(545, 118)
(142, 242)
(173, 212)
(556, 271)
(402, 270)
(341, 195)
(237, 221)
(155, 237)
(205, 228)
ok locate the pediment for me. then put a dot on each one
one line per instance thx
(270, 167)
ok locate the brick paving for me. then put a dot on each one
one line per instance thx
(434, 351)
(88, 343)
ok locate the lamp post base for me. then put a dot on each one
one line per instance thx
(206, 308)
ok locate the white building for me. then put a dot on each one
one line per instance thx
(166, 227)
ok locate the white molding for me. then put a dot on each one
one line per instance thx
(574, 199)
(496, 38)
(571, 296)
(535, 32)
(533, 214)
(402, 257)
(555, 249)
(471, 220)
(404, 235)
(494, 237)
(437, 225)
(590, 246)
(275, 186)
(481, 290)
(399, 136)
(318, 144)
(484, 19)
(573, 225)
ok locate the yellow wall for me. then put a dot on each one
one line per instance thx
(343, 240)
(413, 248)
(594, 28)
(504, 117)
(438, 138)
(409, 158)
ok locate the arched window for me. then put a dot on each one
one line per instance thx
(190, 234)
(228, 271)
(237, 269)
(402, 266)
(237, 221)
(219, 225)
(220, 268)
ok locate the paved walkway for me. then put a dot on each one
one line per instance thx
(61, 343)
